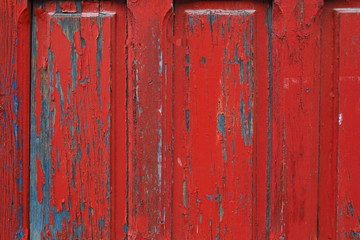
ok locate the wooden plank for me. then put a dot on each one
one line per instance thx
(328, 139)
(340, 115)
(348, 200)
(77, 70)
(119, 118)
(149, 133)
(220, 120)
(293, 187)
(14, 118)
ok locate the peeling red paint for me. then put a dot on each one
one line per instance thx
(72, 106)
(149, 136)
(14, 119)
(295, 117)
(152, 119)
(68, 7)
(221, 75)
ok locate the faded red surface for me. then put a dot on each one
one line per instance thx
(152, 119)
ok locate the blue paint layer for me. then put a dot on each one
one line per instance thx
(187, 119)
(221, 124)
(126, 229)
(246, 121)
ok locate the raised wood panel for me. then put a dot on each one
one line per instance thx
(76, 73)
(348, 149)
(340, 114)
(221, 76)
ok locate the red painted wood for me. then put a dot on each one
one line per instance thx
(220, 120)
(348, 202)
(179, 120)
(149, 134)
(340, 114)
(295, 119)
(78, 105)
(14, 119)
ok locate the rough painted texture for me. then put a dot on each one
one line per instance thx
(14, 115)
(220, 77)
(74, 66)
(293, 185)
(149, 135)
(181, 121)
(340, 112)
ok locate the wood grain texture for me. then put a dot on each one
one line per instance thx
(76, 70)
(295, 117)
(220, 120)
(14, 118)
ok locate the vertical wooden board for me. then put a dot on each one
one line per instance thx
(348, 34)
(74, 70)
(340, 115)
(149, 131)
(338, 199)
(328, 140)
(294, 175)
(14, 118)
(221, 76)
(119, 119)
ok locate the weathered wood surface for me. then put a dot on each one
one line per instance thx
(293, 168)
(78, 69)
(149, 179)
(340, 113)
(14, 118)
(160, 120)
(220, 115)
